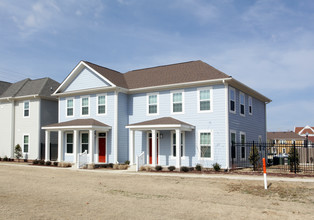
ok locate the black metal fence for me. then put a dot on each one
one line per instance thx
(279, 157)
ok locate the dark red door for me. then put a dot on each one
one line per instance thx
(151, 151)
(102, 149)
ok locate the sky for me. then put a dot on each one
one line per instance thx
(267, 44)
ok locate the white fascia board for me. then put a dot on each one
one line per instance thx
(57, 128)
(178, 85)
(236, 84)
(75, 71)
(86, 91)
(161, 127)
(20, 97)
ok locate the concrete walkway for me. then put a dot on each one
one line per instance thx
(182, 175)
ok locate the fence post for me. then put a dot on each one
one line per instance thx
(253, 157)
(295, 159)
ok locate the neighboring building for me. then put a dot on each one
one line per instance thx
(305, 131)
(25, 106)
(189, 109)
(283, 139)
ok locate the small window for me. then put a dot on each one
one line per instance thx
(177, 102)
(69, 143)
(243, 150)
(153, 104)
(205, 144)
(292, 141)
(26, 144)
(85, 105)
(282, 141)
(84, 142)
(233, 141)
(174, 148)
(101, 104)
(250, 105)
(69, 107)
(242, 104)
(26, 109)
(259, 139)
(204, 100)
(232, 98)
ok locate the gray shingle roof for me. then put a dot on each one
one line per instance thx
(4, 86)
(161, 121)
(43, 87)
(79, 122)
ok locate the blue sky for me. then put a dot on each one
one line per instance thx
(267, 44)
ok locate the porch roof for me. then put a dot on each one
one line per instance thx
(76, 124)
(165, 123)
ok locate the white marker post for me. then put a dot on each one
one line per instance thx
(264, 169)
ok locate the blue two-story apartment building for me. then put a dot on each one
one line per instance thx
(181, 114)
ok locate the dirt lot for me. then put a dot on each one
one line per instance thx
(38, 193)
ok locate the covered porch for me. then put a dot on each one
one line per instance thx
(79, 136)
(155, 129)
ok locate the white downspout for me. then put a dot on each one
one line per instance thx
(12, 128)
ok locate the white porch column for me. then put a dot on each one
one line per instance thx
(154, 148)
(91, 146)
(60, 145)
(47, 145)
(75, 145)
(131, 146)
(178, 148)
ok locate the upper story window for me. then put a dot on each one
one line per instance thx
(70, 107)
(204, 102)
(85, 106)
(250, 105)
(205, 144)
(242, 104)
(152, 103)
(232, 100)
(25, 143)
(26, 109)
(177, 102)
(101, 104)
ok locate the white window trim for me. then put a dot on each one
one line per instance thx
(210, 99)
(233, 132)
(29, 109)
(147, 103)
(235, 100)
(242, 133)
(97, 105)
(66, 143)
(260, 138)
(211, 145)
(29, 140)
(241, 93)
(81, 100)
(81, 143)
(171, 101)
(250, 99)
(183, 137)
(66, 107)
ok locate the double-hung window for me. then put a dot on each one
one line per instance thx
(85, 106)
(233, 141)
(174, 147)
(84, 142)
(250, 105)
(232, 100)
(205, 144)
(69, 143)
(101, 104)
(70, 108)
(26, 109)
(242, 104)
(177, 102)
(25, 143)
(152, 104)
(204, 102)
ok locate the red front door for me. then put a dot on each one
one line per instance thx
(102, 149)
(151, 150)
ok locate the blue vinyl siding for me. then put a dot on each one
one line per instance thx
(123, 133)
(86, 79)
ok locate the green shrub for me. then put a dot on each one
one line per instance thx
(198, 167)
(294, 159)
(42, 162)
(191, 168)
(110, 165)
(25, 160)
(171, 168)
(216, 167)
(127, 162)
(48, 163)
(55, 163)
(254, 157)
(5, 158)
(18, 152)
(158, 168)
(184, 169)
(35, 162)
(0, 158)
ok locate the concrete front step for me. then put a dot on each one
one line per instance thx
(132, 167)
